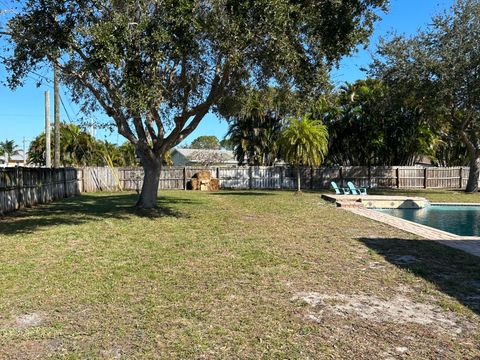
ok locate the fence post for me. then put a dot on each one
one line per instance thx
(282, 176)
(78, 181)
(83, 180)
(217, 175)
(2, 188)
(250, 180)
(184, 178)
(311, 177)
(461, 177)
(397, 174)
(19, 185)
(425, 178)
(65, 192)
(369, 175)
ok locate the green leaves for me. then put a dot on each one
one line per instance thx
(304, 142)
(8, 147)
(371, 123)
(438, 72)
(78, 148)
(157, 67)
(156, 50)
(205, 142)
(255, 127)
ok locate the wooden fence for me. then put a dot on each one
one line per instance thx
(23, 187)
(93, 179)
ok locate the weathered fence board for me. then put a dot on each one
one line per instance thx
(233, 178)
(280, 177)
(24, 187)
(20, 187)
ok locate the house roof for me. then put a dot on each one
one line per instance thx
(18, 156)
(199, 155)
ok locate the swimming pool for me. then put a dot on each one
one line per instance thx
(463, 220)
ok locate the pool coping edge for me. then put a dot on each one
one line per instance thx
(464, 243)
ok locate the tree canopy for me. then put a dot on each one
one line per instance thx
(78, 148)
(210, 142)
(158, 67)
(440, 67)
(371, 123)
(255, 127)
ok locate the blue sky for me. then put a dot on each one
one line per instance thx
(22, 111)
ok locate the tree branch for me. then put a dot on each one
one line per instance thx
(199, 111)
(150, 129)
(158, 122)
(137, 123)
(121, 121)
(119, 118)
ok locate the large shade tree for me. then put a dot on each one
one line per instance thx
(158, 67)
(441, 67)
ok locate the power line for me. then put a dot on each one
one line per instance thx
(70, 105)
(64, 108)
(61, 99)
(42, 76)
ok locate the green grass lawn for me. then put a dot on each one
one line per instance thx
(230, 275)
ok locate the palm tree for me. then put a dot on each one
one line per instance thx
(304, 143)
(254, 133)
(77, 148)
(8, 148)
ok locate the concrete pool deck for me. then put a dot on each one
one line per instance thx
(377, 201)
(359, 206)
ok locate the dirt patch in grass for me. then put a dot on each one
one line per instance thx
(398, 310)
(29, 320)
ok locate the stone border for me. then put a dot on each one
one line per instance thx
(468, 244)
(377, 201)
(455, 204)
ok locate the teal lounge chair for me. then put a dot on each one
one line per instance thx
(356, 190)
(339, 191)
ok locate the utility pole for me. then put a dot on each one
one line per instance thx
(48, 160)
(24, 152)
(56, 110)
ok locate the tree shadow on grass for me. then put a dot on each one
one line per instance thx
(454, 272)
(84, 208)
(242, 193)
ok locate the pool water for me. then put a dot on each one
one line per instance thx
(459, 220)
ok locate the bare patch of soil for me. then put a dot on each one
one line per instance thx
(398, 309)
(28, 320)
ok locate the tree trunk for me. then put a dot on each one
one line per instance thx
(151, 178)
(472, 184)
(473, 153)
(298, 179)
